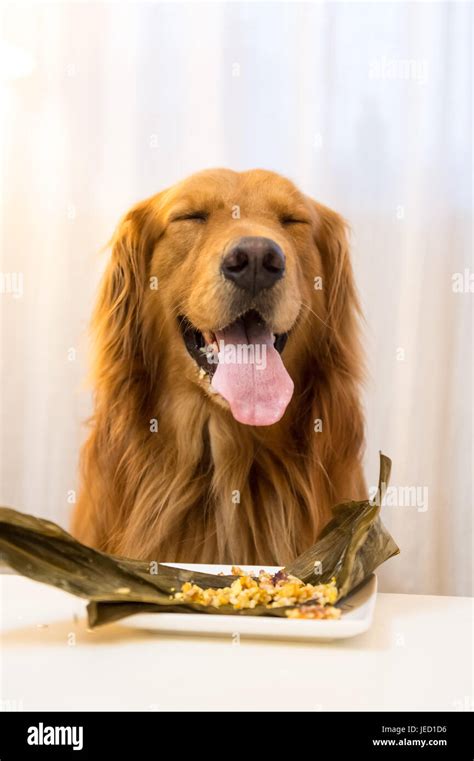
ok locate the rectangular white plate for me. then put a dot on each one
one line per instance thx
(357, 613)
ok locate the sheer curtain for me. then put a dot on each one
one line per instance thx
(366, 106)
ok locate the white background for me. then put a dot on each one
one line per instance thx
(104, 104)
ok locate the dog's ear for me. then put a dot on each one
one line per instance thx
(331, 237)
(336, 398)
(343, 311)
(117, 319)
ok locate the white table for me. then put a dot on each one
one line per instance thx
(417, 656)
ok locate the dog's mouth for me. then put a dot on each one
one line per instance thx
(203, 347)
(243, 363)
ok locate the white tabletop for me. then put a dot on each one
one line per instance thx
(417, 656)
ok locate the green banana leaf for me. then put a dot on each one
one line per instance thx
(351, 546)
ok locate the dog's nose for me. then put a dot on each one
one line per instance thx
(254, 263)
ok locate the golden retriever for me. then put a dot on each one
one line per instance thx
(227, 416)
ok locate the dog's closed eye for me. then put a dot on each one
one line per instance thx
(192, 216)
(286, 221)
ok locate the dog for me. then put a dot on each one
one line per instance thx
(227, 376)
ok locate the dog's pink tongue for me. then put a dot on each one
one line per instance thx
(257, 388)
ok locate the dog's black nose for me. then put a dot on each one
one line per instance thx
(254, 263)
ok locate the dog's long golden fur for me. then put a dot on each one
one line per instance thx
(203, 487)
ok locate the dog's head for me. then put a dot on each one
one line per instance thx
(229, 279)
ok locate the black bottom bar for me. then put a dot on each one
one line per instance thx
(152, 734)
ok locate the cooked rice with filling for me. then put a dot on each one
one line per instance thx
(272, 590)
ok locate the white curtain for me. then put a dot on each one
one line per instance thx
(366, 106)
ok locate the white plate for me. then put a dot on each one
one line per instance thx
(357, 613)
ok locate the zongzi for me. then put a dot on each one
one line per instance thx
(349, 549)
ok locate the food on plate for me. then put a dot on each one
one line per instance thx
(276, 590)
(314, 612)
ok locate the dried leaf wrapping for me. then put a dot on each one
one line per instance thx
(352, 545)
